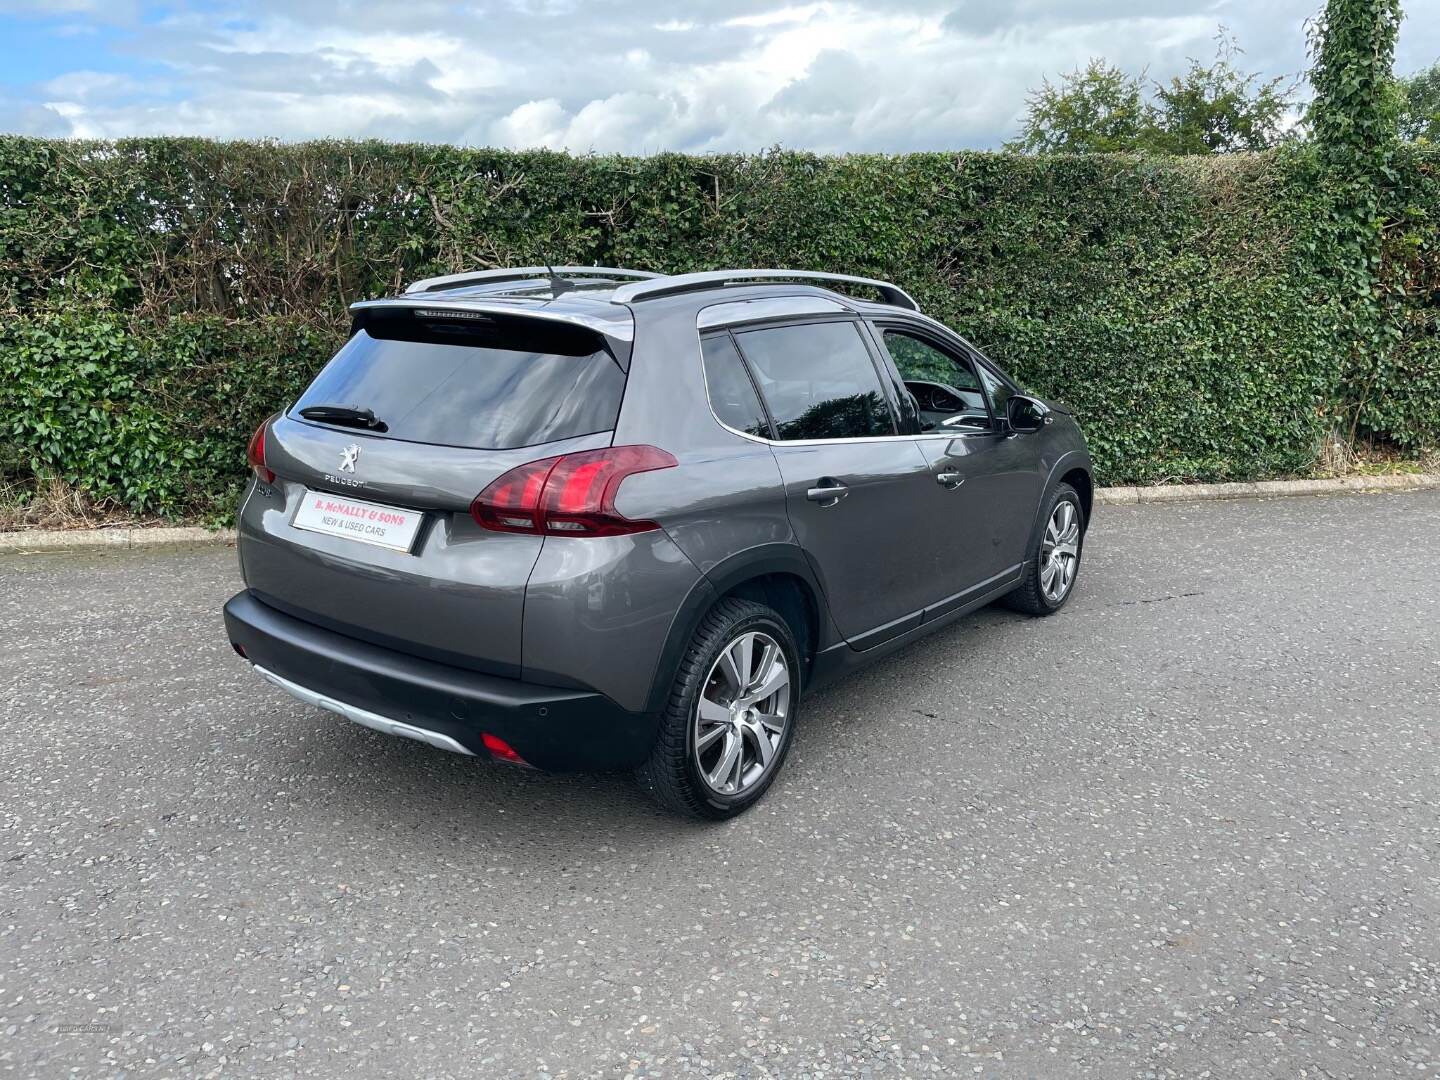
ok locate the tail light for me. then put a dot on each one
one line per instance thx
(570, 495)
(255, 454)
(500, 750)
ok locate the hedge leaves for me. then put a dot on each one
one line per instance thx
(161, 296)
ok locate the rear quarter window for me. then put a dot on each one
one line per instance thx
(492, 386)
(732, 395)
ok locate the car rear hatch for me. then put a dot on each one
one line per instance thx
(366, 526)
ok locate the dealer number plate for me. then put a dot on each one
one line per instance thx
(370, 523)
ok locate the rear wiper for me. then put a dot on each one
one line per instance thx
(343, 414)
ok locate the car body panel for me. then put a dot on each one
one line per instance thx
(550, 727)
(986, 514)
(457, 596)
(887, 492)
(597, 612)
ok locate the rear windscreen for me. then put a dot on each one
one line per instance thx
(492, 385)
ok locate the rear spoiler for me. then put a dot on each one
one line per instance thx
(615, 336)
(444, 307)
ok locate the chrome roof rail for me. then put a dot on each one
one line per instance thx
(517, 273)
(708, 279)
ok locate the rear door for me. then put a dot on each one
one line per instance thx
(988, 482)
(456, 403)
(855, 489)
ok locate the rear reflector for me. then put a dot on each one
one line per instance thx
(570, 495)
(255, 454)
(500, 750)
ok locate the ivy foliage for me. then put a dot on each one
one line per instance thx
(159, 297)
(1377, 225)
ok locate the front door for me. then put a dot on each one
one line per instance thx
(989, 479)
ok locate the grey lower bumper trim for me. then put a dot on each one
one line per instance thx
(364, 717)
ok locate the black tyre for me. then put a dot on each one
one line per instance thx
(731, 715)
(1054, 560)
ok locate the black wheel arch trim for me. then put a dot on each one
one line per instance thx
(1065, 463)
(756, 562)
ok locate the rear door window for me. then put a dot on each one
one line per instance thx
(495, 385)
(818, 381)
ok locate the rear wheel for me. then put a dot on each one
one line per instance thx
(731, 714)
(1054, 563)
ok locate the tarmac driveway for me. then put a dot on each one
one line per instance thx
(1189, 824)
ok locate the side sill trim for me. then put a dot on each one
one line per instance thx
(903, 625)
(950, 603)
(881, 634)
(364, 717)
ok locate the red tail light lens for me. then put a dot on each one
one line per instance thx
(500, 750)
(570, 495)
(255, 454)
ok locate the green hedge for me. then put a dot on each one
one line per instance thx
(160, 296)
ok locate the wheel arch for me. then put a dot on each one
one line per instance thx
(1080, 479)
(1075, 463)
(776, 575)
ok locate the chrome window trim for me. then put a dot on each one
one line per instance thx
(750, 375)
(949, 436)
(729, 330)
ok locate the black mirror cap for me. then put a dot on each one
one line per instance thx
(1027, 413)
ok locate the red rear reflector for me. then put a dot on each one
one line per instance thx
(255, 454)
(239, 650)
(570, 495)
(500, 750)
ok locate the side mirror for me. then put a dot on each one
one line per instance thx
(1027, 413)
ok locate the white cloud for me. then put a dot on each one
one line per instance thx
(90, 86)
(534, 124)
(713, 75)
(780, 16)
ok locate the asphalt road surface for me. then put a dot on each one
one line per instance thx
(1187, 827)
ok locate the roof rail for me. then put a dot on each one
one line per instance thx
(517, 273)
(706, 279)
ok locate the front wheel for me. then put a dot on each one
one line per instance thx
(1054, 563)
(731, 715)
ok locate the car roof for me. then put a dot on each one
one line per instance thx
(608, 300)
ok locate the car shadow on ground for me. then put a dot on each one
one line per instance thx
(385, 779)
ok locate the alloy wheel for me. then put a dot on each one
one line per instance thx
(1060, 552)
(742, 714)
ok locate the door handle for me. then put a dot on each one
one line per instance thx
(827, 491)
(949, 480)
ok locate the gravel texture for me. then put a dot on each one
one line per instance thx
(1186, 828)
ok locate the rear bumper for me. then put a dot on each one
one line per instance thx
(550, 727)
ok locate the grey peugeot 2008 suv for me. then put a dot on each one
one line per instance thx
(586, 518)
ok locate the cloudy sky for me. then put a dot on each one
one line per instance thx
(625, 76)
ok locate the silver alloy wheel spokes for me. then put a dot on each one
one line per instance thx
(1060, 552)
(743, 709)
